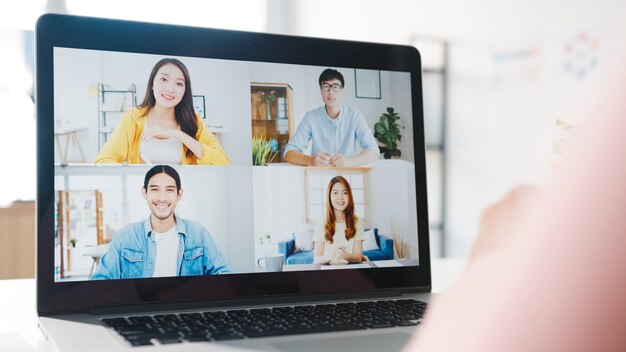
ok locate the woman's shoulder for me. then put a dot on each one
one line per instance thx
(134, 118)
(135, 114)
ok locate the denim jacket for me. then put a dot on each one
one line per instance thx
(131, 254)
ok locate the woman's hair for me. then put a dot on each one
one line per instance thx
(184, 112)
(350, 218)
(162, 169)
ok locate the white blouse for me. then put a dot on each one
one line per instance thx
(161, 151)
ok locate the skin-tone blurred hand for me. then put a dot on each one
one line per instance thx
(339, 253)
(160, 132)
(498, 220)
(338, 160)
(321, 159)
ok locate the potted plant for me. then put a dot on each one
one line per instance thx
(387, 132)
(73, 242)
(263, 151)
(268, 99)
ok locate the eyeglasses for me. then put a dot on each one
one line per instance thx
(326, 87)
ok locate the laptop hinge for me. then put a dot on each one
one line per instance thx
(257, 301)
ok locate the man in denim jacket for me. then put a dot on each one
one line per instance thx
(164, 244)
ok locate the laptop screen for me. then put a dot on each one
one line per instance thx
(185, 166)
(180, 164)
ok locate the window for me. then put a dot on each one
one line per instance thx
(316, 183)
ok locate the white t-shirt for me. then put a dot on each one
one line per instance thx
(339, 238)
(161, 151)
(165, 262)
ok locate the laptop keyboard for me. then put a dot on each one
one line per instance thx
(264, 322)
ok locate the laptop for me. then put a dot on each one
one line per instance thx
(210, 189)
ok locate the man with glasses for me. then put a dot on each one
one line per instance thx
(339, 134)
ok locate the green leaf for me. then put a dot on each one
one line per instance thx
(387, 132)
(380, 129)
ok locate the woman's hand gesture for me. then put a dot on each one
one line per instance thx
(160, 132)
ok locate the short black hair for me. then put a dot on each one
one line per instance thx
(162, 169)
(329, 74)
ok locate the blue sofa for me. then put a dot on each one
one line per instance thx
(288, 248)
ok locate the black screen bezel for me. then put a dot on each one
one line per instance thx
(125, 36)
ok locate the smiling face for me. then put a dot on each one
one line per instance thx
(332, 99)
(339, 197)
(168, 85)
(162, 195)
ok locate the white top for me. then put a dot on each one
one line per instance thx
(161, 151)
(339, 238)
(165, 262)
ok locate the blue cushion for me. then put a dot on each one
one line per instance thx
(375, 255)
(300, 258)
(384, 253)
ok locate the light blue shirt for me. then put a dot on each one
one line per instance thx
(131, 255)
(347, 135)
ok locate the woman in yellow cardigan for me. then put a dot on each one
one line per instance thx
(164, 128)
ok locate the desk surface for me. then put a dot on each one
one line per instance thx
(368, 264)
(66, 130)
(17, 305)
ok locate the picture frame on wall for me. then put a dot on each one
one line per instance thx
(199, 105)
(367, 84)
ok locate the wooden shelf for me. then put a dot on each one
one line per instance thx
(74, 207)
(279, 126)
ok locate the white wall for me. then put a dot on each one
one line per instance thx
(400, 96)
(75, 104)
(278, 201)
(392, 202)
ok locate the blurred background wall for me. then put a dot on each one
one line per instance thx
(503, 82)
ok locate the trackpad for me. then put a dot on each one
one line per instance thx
(394, 341)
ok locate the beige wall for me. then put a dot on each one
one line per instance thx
(17, 241)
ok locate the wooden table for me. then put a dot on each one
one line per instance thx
(71, 137)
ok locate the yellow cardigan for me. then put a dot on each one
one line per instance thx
(123, 144)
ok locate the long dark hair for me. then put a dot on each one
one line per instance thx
(350, 218)
(184, 113)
